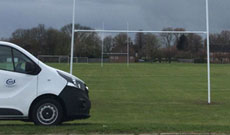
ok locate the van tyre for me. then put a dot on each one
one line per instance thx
(47, 112)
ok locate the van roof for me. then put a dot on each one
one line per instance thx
(6, 43)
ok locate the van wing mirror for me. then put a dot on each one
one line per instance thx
(30, 68)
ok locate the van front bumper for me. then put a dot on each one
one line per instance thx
(76, 103)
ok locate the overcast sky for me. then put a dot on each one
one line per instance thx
(140, 14)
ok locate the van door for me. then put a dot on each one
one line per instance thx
(17, 88)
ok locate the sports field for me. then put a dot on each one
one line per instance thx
(146, 98)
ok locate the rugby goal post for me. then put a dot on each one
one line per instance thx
(133, 31)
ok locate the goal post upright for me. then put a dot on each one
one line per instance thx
(208, 52)
(127, 44)
(72, 40)
(102, 45)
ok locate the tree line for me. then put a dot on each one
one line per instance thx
(41, 40)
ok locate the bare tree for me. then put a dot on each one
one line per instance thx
(108, 44)
(168, 38)
(151, 47)
(195, 43)
(220, 45)
(120, 42)
(34, 40)
(139, 43)
(220, 39)
(168, 41)
(178, 35)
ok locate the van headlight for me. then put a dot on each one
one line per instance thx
(73, 82)
(78, 84)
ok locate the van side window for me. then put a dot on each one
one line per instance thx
(6, 60)
(20, 61)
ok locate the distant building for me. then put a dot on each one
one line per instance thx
(115, 57)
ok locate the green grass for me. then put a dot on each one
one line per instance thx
(146, 98)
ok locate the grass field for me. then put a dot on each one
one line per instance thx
(146, 98)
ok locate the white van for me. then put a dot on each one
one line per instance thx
(32, 91)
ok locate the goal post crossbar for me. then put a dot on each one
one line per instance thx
(139, 31)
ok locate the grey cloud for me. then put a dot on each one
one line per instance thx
(140, 14)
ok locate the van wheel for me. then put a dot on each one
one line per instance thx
(47, 112)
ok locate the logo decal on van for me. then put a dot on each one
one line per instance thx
(10, 83)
